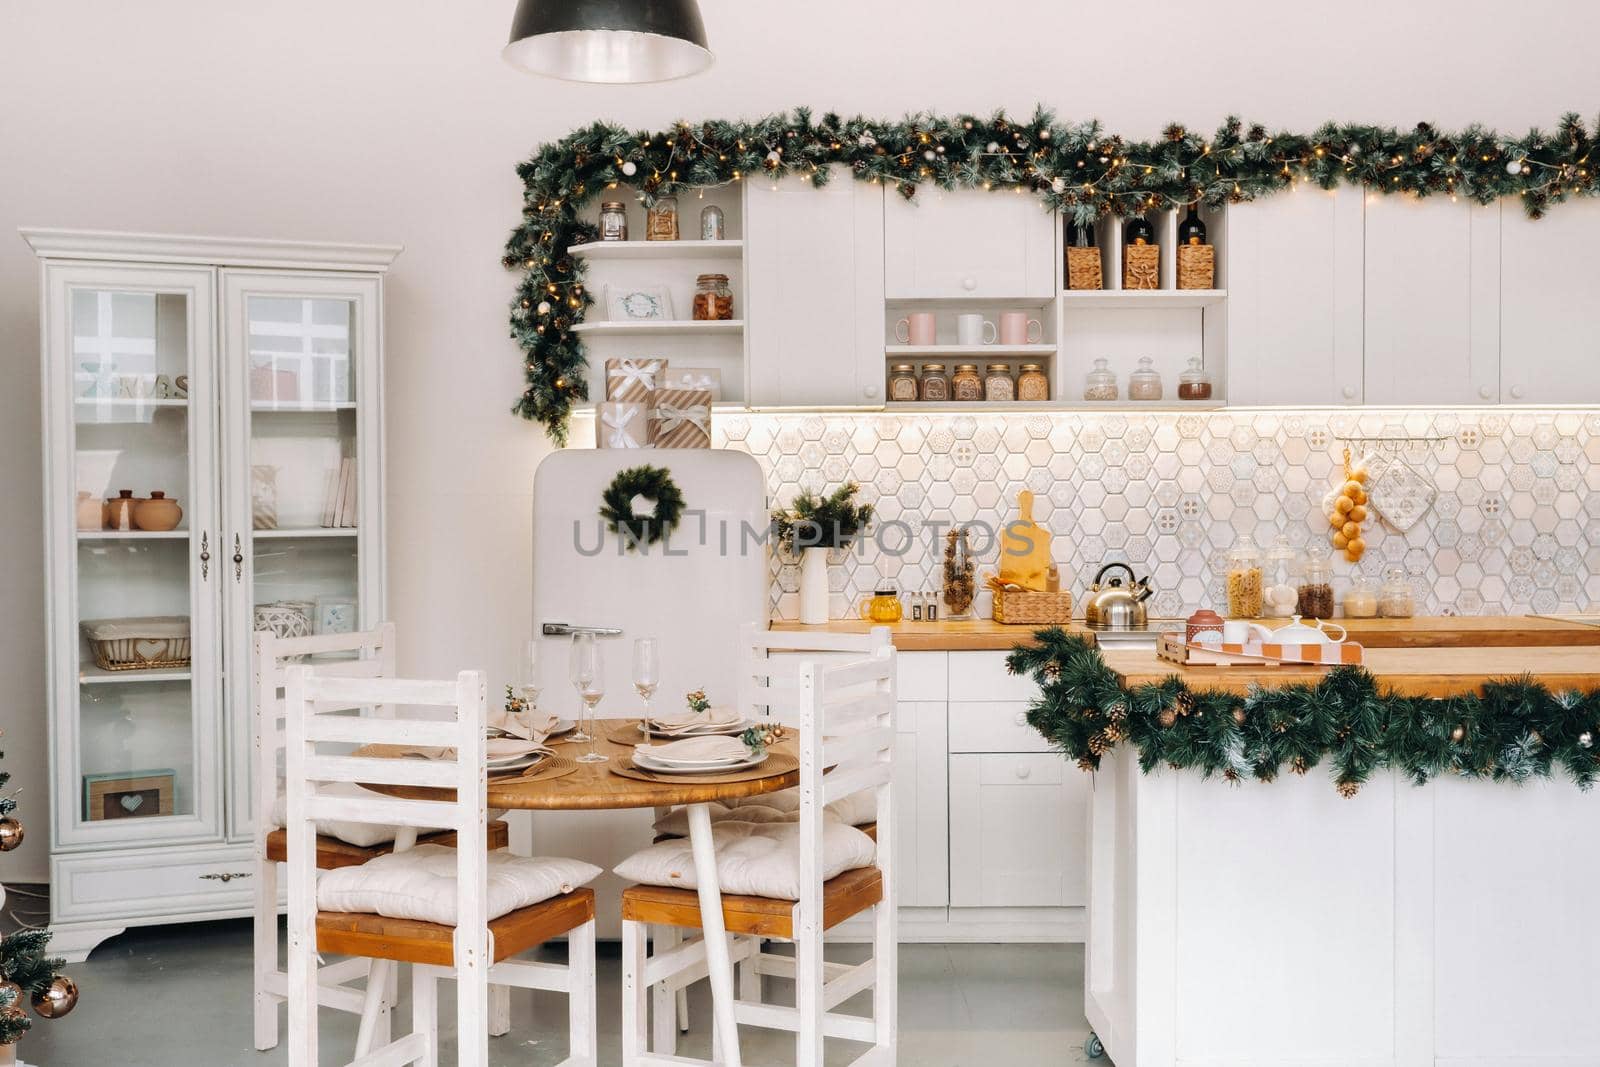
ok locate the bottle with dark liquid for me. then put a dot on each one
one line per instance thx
(1191, 231)
(1080, 236)
(1138, 232)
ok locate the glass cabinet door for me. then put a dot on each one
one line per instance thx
(302, 457)
(133, 553)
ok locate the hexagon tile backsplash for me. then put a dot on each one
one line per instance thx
(1515, 527)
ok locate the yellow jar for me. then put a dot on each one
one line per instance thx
(882, 606)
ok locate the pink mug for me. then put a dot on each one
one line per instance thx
(1017, 329)
(918, 329)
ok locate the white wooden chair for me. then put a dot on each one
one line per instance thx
(479, 946)
(375, 655)
(845, 712)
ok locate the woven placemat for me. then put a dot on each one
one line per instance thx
(776, 763)
(549, 767)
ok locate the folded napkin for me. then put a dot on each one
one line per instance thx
(530, 725)
(696, 750)
(498, 748)
(688, 722)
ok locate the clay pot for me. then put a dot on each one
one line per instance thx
(91, 512)
(158, 513)
(119, 510)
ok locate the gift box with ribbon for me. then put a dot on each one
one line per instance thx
(635, 379)
(707, 378)
(681, 419)
(621, 425)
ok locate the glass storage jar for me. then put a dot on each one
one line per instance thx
(661, 224)
(935, 382)
(713, 299)
(613, 221)
(902, 382)
(1361, 599)
(1032, 383)
(1194, 383)
(1100, 383)
(1144, 383)
(1396, 600)
(997, 383)
(965, 384)
(1315, 600)
(711, 223)
(1280, 579)
(1244, 580)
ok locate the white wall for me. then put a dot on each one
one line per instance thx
(395, 120)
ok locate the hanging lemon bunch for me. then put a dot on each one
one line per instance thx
(1347, 511)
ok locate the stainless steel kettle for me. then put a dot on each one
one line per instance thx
(1115, 606)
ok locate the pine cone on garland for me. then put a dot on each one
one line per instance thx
(1299, 765)
(1167, 717)
(1349, 789)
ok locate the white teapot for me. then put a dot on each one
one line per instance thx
(1314, 632)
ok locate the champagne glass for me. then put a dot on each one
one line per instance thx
(588, 678)
(528, 684)
(646, 669)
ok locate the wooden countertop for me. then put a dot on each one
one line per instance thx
(971, 635)
(1433, 672)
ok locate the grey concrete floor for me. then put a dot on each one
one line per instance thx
(180, 995)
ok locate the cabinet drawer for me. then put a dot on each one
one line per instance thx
(993, 726)
(164, 882)
(983, 676)
(1018, 831)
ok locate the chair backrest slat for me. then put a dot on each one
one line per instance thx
(435, 774)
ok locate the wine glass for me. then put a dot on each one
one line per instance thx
(646, 669)
(587, 671)
(528, 685)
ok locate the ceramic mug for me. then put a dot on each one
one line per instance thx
(918, 329)
(1239, 632)
(974, 330)
(1017, 329)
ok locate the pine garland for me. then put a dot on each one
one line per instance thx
(1078, 169)
(1515, 730)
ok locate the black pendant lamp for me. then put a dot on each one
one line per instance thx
(608, 40)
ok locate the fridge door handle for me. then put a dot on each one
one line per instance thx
(562, 629)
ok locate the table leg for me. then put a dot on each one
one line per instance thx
(718, 961)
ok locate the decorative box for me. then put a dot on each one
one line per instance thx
(621, 424)
(1027, 607)
(1083, 268)
(1197, 266)
(154, 643)
(681, 419)
(635, 379)
(1141, 266)
(707, 378)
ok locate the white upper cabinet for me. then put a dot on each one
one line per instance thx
(1549, 281)
(1432, 302)
(814, 265)
(968, 244)
(1294, 298)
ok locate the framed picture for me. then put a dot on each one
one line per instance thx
(638, 303)
(127, 795)
(336, 615)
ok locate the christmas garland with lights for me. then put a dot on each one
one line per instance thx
(1515, 730)
(652, 483)
(1078, 169)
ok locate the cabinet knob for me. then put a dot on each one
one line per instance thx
(1023, 770)
(869, 391)
(1516, 392)
(1349, 392)
(969, 284)
(1486, 392)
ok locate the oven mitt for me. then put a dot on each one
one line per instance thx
(1025, 549)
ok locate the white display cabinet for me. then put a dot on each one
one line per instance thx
(243, 381)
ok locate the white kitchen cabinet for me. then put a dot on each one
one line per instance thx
(814, 300)
(968, 244)
(1549, 278)
(921, 782)
(1294, 308)
(1018, 832)
(1432, 299)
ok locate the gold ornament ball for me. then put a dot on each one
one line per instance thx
(11, 834)
(57, 999)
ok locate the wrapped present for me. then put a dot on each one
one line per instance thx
(621, 425)
(707, 378)
(635, 379)
(681, 419)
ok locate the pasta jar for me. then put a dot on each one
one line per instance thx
(902, 382)
(713, 300)
(613, 221)
(1144, 383)
(1244, 580)
(997, 383)
(661, 224)
(1396, 600)
(1032, 383)
(965, 385)
(935, 382)
(711, 224)
(1100, 383)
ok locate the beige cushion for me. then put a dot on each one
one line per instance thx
(360, 834)
(753, 859)
(421, 884)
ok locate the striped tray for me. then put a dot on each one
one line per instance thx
(1258, 653)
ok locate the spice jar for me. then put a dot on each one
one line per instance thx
(1194, 383)
(1100, 383)
(1280, 577)
(713, 300)
(902, 382)
(1244, 580)
(997, 383)
(1396, 600)
(965, 384)
(935, 382)
(1032, 383)
(711, 223)
(1316, 585)
(613, 221)
(1361, 599)
(1144, 383)
(662, 222)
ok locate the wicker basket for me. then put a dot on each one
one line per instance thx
(160, 643)
(1197, 266)
(1023, 607)
(1141, 266)
(1083, 268)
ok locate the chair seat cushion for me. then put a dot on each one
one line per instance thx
(333, 853)
(753, 859)
(421, 884)
(858, 809)
(411, 941)
(847, 895)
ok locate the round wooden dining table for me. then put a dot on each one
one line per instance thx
(592, 787)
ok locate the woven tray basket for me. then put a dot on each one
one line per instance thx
(1027, 608)
(1083, 268)
(1141, 267)
(138, 644)
(1197, 266)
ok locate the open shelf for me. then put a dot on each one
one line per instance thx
(682, 327)
(982, 407)
(313, 531)
(659, 250)
(89, 674)
(130, 402)
(132, 535)
(1143, 298)
(1013, 351)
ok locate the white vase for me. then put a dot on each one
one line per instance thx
(813, 585)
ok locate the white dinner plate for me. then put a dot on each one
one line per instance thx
(700, 731)
(645, 763)
(516, 765)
